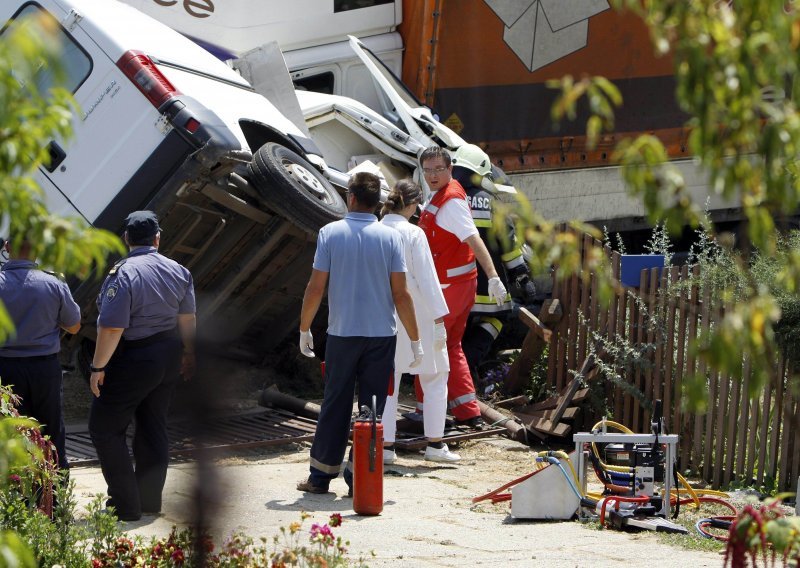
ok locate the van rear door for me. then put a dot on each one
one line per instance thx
(114, 130)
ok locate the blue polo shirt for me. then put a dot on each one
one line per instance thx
(359, 254)
(145, 294)
(38, 303)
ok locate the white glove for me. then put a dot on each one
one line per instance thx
(416, 349)
(439, 336)
(306, 343)
(497, 291)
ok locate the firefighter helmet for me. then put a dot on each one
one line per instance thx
(471, 157)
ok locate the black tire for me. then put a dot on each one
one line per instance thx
(294, 188)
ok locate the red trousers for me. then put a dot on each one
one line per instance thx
(461, 399)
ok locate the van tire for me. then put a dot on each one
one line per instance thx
(294, 188)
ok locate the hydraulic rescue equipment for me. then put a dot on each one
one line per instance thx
(635, 466)
(368, 462)
(631, 467)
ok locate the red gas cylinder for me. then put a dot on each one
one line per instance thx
(368, 462)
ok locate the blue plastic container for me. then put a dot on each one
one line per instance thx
(632, 265)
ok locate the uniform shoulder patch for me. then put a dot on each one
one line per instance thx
(111, 291)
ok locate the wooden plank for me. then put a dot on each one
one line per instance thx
(569, 414)
(723, 408)
(777, 413)
(784, 460)
(622, 312)
(744, 416)
(555, 339)
(519, 373)
(631, 402)
(520, 400)
(572, 342)
(551, 311)
(796, 440)
(692, 368)
(574, 385)
(585, 287)
(679, 421)
(553, 401)
(668, 351)
(731, 445)
(612, 390)
(763, 432)
(640, 302)
(752, 439)
(535, 325)
(652, 391)
(559, 430)
(707, 446)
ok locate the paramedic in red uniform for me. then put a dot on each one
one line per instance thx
(456, 245)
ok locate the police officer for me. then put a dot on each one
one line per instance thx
(472, 168)
(146, 324)
(40, 305)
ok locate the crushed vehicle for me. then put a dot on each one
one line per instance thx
(164, 125)
(241, 168)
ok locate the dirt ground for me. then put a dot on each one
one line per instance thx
(429, 518)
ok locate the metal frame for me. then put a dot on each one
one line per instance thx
(670, 440)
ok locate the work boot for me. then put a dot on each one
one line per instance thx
(307, 487)
(442, 454)
(476, 423)
(389, 455)
(414, 416)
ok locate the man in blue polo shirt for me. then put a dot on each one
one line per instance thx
(365, 263)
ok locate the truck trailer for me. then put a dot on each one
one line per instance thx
(482, 66)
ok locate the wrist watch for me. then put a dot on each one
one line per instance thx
(94, 369)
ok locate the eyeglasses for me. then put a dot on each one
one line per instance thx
(431, 171)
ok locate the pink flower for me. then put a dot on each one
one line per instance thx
(178, 557)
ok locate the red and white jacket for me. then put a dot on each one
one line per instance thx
(454, 260)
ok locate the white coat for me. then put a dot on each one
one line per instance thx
(429, 302)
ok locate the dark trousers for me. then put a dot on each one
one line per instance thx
(38, 383)
(349, 361)
(138, 384)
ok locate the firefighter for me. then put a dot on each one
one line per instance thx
(472, 169)
(456, 245)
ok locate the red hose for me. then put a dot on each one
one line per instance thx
(494, 493)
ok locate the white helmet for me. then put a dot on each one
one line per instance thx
(471, 157)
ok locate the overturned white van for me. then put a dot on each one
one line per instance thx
(164, 125)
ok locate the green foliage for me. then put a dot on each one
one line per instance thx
(29, 119)
(552, 245)
(736, 66)
(602, 95)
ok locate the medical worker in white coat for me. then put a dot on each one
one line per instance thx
(430, 308)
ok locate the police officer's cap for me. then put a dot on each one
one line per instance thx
(142, 227)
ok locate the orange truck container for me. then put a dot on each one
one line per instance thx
(483, 66)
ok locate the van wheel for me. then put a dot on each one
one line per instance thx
(294, 188)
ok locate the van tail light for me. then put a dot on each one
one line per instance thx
(145, 75)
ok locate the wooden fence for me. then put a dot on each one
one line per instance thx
(756, 441)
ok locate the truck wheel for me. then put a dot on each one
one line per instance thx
(294, 188)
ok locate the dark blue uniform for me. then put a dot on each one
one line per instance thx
(143, 294)
(39, 305)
